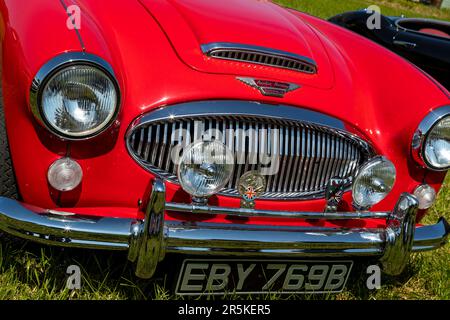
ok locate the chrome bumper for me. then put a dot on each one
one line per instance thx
(148, 240)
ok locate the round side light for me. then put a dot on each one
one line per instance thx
(426, 196)
(64, 174)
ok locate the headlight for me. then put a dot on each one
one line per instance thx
(431, 142)
(75, 100)
(373, 182)
(437, 145)
(205, 168)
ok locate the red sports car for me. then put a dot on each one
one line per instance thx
(226, 129)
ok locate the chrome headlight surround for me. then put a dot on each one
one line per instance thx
(421, 134)
(58, 64)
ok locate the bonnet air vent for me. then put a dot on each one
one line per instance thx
(260, 55)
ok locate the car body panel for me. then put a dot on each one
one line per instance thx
(190, 24)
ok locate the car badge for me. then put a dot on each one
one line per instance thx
(334, 192)
(268, 87)
(251, 185)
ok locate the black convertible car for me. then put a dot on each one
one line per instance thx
(424, 42)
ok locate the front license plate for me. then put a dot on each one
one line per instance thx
(220, 276)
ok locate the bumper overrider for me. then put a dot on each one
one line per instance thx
(149, 239)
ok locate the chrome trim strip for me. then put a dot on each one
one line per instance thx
(149, 239)
(243, 212)
(421, 134)
(56, 64)
(210, 48)
(238, 108)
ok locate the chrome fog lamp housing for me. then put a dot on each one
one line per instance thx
(426, 196)
(372, 182)
(205, 168)
(75, 96)
(431, 141)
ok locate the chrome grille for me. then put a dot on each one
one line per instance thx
(309, 154)
(261, 56)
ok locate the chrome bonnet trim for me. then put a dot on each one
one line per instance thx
(148, 240)
(211, 48)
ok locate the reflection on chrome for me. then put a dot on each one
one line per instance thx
(148, 240)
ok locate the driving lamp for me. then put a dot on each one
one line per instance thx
(205, 168)
(373, 182)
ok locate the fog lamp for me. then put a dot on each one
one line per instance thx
(373, 182)
(426, 196)
(205, 168)
(64, 174)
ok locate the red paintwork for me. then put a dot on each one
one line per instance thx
(154, 48)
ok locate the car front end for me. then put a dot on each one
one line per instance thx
(112, 131)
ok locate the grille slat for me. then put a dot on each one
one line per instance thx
(309, 155)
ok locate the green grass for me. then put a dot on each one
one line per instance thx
(31, 271)
(329, 8)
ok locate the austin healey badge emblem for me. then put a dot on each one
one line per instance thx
(334, 191)
(269, 87)
(251, 185)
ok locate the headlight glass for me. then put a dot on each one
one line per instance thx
(437, 145)
(205, 168)
(373, 182)
(79, 101)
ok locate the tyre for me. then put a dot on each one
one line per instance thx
(8, 185)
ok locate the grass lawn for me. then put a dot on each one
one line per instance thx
(329, 8)
(30, 271)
